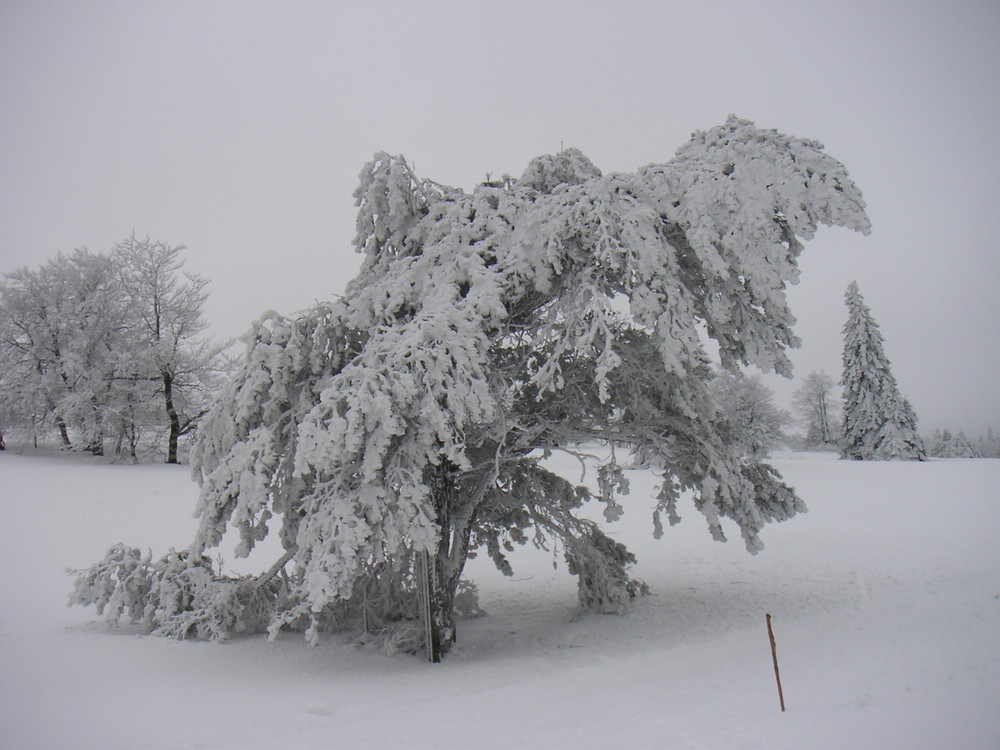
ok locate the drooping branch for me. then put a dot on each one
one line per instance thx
(274, 570)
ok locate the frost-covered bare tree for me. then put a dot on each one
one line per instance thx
(165, 305)
(879, 424)
(816, 406)
(750, 417)
(393, 432)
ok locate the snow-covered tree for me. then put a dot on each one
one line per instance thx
(14, 409)
(879, 424)
(939, 441)
(63, 325)
(964, 447)
(165, 305)
(104, 346)
(816, 407)
(944, 444)
(988, 445)
(749, 414)
(390, 434)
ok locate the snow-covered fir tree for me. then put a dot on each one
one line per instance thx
(879, 424)
(392, 433)
(964, 447)
(944, 444)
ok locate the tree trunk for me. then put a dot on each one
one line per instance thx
(824, 421)
(172, 417)
(64, 434)
(3, 445)
(95, 431)
(438, 574)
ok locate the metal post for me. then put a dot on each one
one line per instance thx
(424, 597)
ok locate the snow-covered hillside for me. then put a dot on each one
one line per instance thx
(885, 600)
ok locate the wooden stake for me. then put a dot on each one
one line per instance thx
(774, 658)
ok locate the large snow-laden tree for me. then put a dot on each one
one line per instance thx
(879, 424)
(399, 429)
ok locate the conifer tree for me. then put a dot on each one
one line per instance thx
(947, 445)
(879, 424)
(964, 447)
(390, 433)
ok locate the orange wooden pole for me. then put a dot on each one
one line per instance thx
(774, 658)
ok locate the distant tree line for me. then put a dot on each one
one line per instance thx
(880, 423)
(946, 444)
(104, 350)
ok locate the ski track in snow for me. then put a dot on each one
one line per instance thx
(885, 600)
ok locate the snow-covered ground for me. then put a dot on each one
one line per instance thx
(885, 600)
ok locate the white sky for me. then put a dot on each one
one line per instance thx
(238, 129)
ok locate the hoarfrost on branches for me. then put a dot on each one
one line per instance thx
(816, 409)
(107, 347)
(409, 420)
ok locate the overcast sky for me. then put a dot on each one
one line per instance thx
(238, 129)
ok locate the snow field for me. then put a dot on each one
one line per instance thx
(884, 598)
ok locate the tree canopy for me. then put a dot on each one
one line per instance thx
(407, 422)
